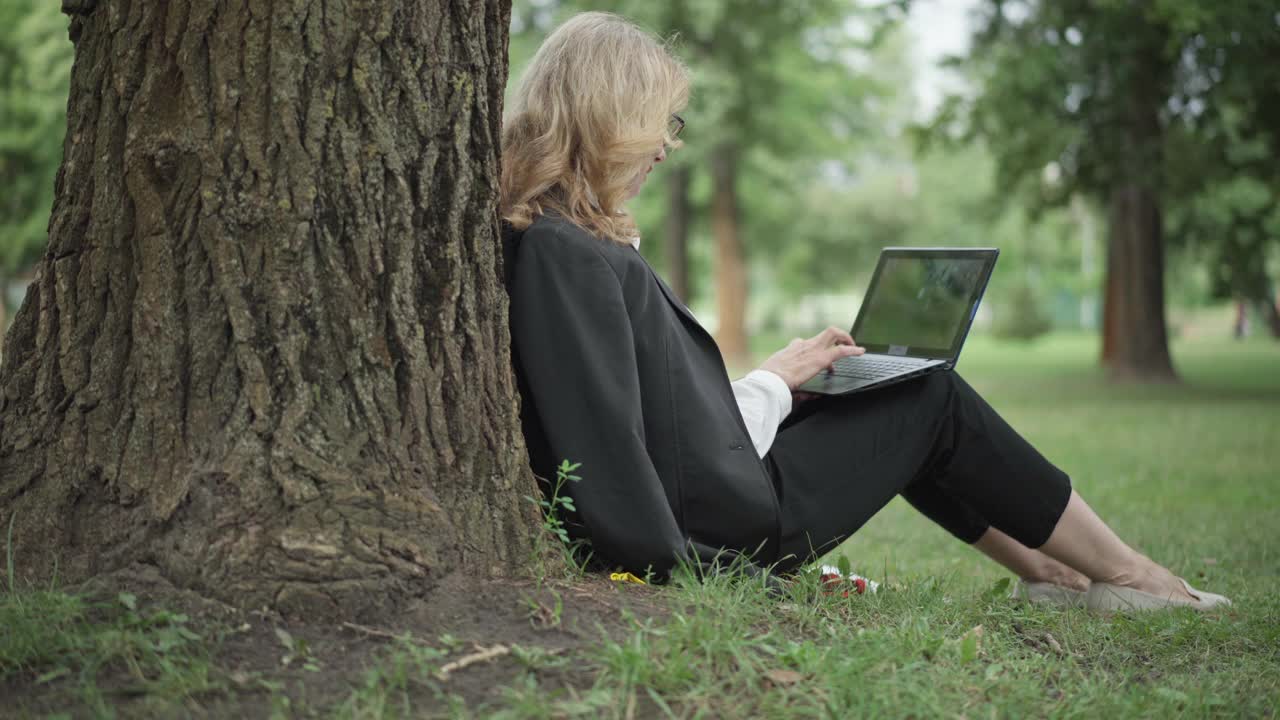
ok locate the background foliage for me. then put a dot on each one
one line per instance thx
(838, 159)
(35, 67)
(842, 161)
(1179, 96)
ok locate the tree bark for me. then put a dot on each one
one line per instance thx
(677, 231)
(1270, 315)
(267, 349)
(731, 276)
(1249, 275)
(1135, 344)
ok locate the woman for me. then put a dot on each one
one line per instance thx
(679, 464)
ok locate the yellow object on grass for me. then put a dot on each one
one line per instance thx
(626, 577)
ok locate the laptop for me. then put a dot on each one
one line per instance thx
(914, 317)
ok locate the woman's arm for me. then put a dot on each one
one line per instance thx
(574, 340)
(765, 396)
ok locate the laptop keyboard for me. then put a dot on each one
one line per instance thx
(862, 367)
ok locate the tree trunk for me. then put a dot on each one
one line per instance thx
(731, 276)
(1251, 282)
(677, 231)
(267, 349)
(1270, 315)
(1135, 344)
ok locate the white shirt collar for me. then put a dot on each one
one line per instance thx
(635, 243)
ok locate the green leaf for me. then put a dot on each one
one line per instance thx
(285, 638)
(167, 640)
(53, 675)
(969, 647)
(1171, 694)
(846, 567)
(931, 649)
(128, 600)
(999, 587)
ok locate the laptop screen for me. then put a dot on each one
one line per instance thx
(921, 302)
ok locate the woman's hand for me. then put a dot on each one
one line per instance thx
(801, 359)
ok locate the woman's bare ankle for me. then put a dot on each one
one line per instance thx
(1149, 577)
(1062, 576)
(1074, 580)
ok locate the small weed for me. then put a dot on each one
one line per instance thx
(389, 687)
(538, 658)
(296, 650)
(542, 615)
(49, 636)
(576, 553)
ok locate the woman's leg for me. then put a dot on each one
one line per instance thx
(839, 459)
(1084, 542)
(990, 467)
(845, 457)
(971, 528)
(1030, 565)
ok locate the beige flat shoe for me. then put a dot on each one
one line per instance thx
(1046, 593)
(1105, 597)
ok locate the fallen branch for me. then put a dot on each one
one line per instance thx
(482, 654)
(372, 631)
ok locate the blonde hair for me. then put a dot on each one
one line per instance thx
(591, 109)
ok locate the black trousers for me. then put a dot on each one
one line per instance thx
(837, 460)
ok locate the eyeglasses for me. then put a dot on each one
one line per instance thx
(674, 126)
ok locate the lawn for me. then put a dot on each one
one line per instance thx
(1185, 473)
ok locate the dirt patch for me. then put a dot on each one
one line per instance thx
(265, 663)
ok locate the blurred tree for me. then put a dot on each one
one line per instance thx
(35, 64)
(1024, 319)
(677, 225)
(1224, 169)
(1081, 96)
(1233, 228)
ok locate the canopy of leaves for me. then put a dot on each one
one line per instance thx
(1181, 96)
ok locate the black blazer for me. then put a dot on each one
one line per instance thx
(615, 373)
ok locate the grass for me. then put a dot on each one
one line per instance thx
(385, 688)
(1186, 473)
(49, 636)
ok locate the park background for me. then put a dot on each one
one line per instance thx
(820, 131)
